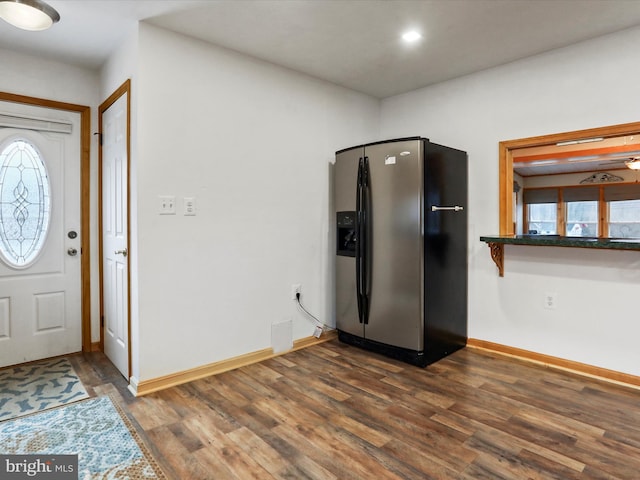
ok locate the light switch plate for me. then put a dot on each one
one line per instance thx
(166, 204)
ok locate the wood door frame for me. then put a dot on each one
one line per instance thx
(125, 88)
(85, 199)
(505, 159)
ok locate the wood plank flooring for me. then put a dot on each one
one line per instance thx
(332, 411)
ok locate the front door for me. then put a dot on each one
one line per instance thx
(114, 118)
(40, 226)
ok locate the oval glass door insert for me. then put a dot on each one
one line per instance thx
(25, 203)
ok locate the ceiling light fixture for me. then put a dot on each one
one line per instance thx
(33, 15)
(411, 36)
(577, 142)
(633, 163)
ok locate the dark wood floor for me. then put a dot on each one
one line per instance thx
(336, 412)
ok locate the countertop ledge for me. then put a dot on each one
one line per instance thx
(496, 244)
(562, 241)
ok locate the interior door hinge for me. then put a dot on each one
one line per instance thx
(99, 137)
(101, 321)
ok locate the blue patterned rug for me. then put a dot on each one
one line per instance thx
(96, 430)
(38, 386)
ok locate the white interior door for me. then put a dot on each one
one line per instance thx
(115, 282)
(40, 267)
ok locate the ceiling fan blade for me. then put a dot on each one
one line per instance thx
(613, 162)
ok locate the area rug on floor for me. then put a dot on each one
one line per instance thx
(96, 430)
(38, 386)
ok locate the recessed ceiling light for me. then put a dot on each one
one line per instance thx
(411, 36)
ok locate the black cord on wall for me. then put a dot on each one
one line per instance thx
(320, 326)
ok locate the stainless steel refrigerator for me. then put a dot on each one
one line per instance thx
(401, 248)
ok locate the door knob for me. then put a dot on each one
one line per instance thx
(123, 252)
(72, 252)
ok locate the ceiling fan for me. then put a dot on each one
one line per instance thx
(630, 162)
(633, 163)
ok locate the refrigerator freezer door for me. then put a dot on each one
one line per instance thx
(396, 244)
(345, 184)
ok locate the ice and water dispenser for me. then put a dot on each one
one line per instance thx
(346, 231)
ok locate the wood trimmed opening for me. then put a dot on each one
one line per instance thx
(507, 148)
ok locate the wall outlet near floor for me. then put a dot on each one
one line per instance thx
(295, 289)
(550, 300)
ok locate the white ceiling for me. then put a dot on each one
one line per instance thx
(354, 43)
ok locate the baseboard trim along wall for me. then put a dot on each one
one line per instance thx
(559, 363)
(145, 387)
(149, 386)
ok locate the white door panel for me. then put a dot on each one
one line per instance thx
(40, 302)
(115, 234)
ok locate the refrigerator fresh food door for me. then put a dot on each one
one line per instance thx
(395, 247)
(345, 184)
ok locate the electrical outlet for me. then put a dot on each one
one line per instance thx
(295, 289)
(550, 300)
(189, 206)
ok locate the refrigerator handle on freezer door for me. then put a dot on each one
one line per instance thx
(366, 249)
(359, 240)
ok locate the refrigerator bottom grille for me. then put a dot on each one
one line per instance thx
(418, 358)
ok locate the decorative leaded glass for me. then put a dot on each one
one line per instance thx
(25, 203)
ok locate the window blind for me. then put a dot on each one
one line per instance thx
(581, 194)
(614, 193)
(540, 195)
(12, 120)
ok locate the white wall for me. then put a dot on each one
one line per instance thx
(591, 84)
(42, 78)
(253, 143)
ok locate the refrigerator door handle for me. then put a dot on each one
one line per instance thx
(359, 240)
(455, 208)
(366, 249)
